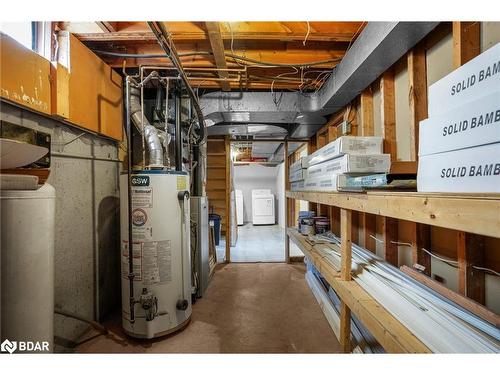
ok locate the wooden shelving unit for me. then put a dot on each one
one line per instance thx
(478, 214)
(390, 333)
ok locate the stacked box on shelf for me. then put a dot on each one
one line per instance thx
(459, 148)
(298, 173)
(348, 155)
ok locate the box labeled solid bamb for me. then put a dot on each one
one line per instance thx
(299, 175)
(473, 124)
(333, 182)
(351, 164)
(470, 170)
(347, 145)
(475, 79)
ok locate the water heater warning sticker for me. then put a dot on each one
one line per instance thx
(142, 197)
(156, 262)
(137, 260)
(181, 182)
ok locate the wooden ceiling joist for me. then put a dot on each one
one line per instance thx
(217, 45)
(107, 27)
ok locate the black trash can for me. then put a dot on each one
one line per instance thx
(216, 219)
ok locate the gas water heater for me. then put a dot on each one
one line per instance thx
(161, 275)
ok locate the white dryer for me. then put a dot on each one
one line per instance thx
(263, 207)
(239, 207)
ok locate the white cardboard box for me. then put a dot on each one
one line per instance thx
(351, 164)
(347, 145)
(471, 170)
(477, 78)
(298, 175)
(473, 124)
(326, 183)
(302, 163)
(297, 185)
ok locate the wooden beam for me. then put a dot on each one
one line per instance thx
(107, 26)
(417, 80)
(217, 46)
(468, 212)
(470, 253)
(465, 302)
(388, 113)
(466, 42)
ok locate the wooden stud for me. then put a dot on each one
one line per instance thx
(417, 80)
(345, 236)
(421, 234)
(345, 274)
(466, 42)
(388, 113)
(367, 221)
(217, 46)
(287, 200)
(227, 147)
(390, 235)
(470, 253)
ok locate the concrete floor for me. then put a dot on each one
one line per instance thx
(248, 308)
(258, 243)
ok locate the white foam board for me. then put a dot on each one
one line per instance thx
(470, 170)
(475, 79)
(473, 124)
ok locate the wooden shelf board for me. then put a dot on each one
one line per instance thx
(389, 332)
(473, 213)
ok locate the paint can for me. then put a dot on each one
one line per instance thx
(321, 224)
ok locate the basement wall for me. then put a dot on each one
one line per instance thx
(87, 253)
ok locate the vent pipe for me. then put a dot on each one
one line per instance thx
(150, 132)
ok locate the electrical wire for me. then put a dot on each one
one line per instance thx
(258, 63)
(307, 34)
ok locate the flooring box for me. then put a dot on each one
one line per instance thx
(298, 175)
(473, 124)
(347, 145)
(351, 164)
(473, 80)
(471, 170)
(333, 182)
(302, 163)
(297, 185)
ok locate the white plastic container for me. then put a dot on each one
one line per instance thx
(162, 264)
(27, 265)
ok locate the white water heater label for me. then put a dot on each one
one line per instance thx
(142, 197)
(156, 262)
(136, 263)
(165, 260)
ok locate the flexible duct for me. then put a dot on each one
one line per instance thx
(150, 132)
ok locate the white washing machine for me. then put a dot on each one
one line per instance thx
(239, 207)
(263, 207)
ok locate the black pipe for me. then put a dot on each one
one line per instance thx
(178, 133)
(130, 159)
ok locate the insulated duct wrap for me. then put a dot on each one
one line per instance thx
(150, 132)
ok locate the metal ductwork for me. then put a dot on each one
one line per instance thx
(378, 47)
(152, 139)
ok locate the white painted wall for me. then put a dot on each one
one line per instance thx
(254, 176)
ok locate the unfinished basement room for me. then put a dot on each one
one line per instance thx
(320, 179)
